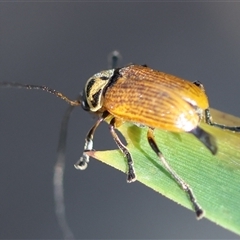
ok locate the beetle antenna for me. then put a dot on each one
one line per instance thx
(113, 59)
(44, 88)
(58, 176)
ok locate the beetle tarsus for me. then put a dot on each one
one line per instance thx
(199, 213)
(131, 176)
(82, 163)
(198, 210)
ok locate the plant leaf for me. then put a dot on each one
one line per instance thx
(215, 180)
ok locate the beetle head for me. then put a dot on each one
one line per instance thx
(92, 97)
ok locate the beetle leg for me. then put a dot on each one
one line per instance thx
(198, 210)
(82, 163)
(207, 139)
(131, 176)
(199, 84)
(208, 119)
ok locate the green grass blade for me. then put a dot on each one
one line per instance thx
(215, 180)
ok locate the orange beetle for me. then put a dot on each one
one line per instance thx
(147, 97)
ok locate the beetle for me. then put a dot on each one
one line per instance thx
(145, 97)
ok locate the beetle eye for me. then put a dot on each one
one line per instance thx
(85, 106)
(84, 102)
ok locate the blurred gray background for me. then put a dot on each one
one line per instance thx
(61, 45)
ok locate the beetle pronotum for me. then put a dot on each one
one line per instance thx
(143, 96)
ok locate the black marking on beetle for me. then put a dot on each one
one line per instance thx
(116, 75)
(95, 96)
(104, 78)
(89, 86)
(144, 65)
